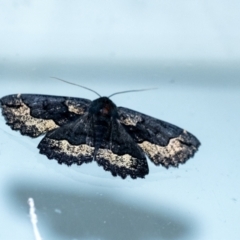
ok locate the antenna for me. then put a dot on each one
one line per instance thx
(138, 90)
(75, 85)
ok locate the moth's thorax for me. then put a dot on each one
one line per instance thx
(103, 107)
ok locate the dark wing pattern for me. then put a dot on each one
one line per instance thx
(121, 155)
(163, 142)
(78, 131)
(70, 143)
(74, 143)
(34, 114)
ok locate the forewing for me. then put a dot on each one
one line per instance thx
(71, 143)
(121, 155)
(34, 114)
(164, 143)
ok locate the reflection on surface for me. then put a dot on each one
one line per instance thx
(83, 215)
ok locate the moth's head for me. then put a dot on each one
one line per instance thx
(104, 107)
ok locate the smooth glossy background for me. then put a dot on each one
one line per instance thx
(190, 51)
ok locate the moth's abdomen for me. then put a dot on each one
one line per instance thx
(101, 132)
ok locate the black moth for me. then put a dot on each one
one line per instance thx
(79, 131)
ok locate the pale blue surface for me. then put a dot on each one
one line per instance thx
(135, 29)
(199, 200)
(191, 51)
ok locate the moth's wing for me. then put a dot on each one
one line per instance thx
(121, 155)
(164, 143)
(34, 114)
(71, 143)
(74, 143)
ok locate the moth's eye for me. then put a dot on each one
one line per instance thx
(104, 111)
